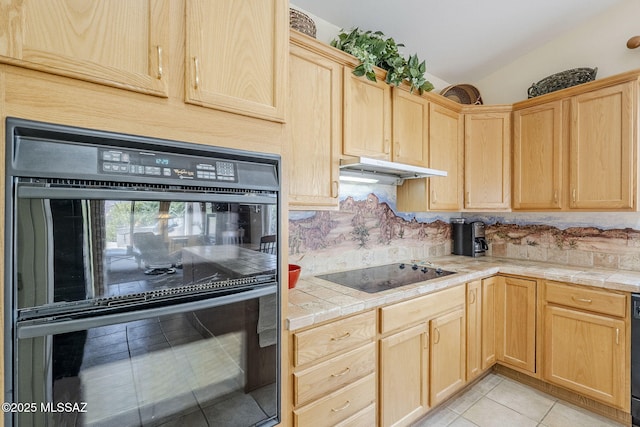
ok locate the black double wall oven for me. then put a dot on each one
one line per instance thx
(136, 288)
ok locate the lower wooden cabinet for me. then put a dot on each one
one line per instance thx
(516, 323)
(422, 354)
(474, 329)
(585, 342)
(334, 380)
(448, 355)
(489, 290)
(404, 379)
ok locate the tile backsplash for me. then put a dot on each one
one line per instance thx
(368, 231)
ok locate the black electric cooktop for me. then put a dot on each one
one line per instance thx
(384, 277)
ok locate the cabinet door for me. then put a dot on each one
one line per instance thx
(367, 117)
(447, 355)
(586, 352)
(446, 152)
(410, 128)
(236, 56)
(315, 129)
(603, 148)
(516, 332)
(489, 289)
(474, 329)
(487, 160)
(404, 370)
(116, 43)
(537, 157)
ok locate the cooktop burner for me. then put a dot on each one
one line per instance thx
(384, 277)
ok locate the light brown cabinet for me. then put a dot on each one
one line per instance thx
(538, 157)
(121, 44)
(236, 57)
(334, 371)
(474, 329)
(410, 128)
(422, 354)
(448, 355)
(315, 127)
(446, 152)
(404, 380)
(487, 159)
(489, 307)
(603, 148)
(367, 116)
(577, 152)
(516, 323)
(585, 342)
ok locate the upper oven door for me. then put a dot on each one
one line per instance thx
(87, 245)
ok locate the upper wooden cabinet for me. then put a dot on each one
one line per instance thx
(487, 159)
(367, 117)
(538, 157)
(236, 56)
(315, 128)
(577, 152)
(446, 152)
(116, 43)
(410, 128)
(603, 148)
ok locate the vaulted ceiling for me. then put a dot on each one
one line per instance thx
(461, 40)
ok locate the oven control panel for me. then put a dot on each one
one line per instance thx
(159, 165)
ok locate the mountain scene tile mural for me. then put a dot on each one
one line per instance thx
(367, 230)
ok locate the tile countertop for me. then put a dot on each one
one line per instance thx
(314, 300)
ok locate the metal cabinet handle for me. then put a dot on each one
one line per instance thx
(436, 339)
(426, 340)
(555, 196)
(160, 71)
(335, 189)
(387, 146)
(584, 300)
(397, 145)
(472, 296)
(342, 408)
(573, 195)
(341, 337)
(468, 197)
(434, 197)
(617, 336)
(345, 371)
(196, 68)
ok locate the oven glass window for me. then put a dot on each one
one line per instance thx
(73, 250)
(214, 367)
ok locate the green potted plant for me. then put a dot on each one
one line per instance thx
(374, 49)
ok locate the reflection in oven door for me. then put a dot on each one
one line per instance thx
(209, 366)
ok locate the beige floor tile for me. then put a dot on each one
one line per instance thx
(488, 413)
(563, 415)
(462, 422)
(440, 417)
(466, 400)
(488, 383)
(522, 399)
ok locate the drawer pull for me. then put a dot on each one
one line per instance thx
(584, 300)
(342, 408)
(341, 337)
(345, 371)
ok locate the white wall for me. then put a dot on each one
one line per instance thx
(600, 43)
(326, 31)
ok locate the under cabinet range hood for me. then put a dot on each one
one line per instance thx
(365, 170)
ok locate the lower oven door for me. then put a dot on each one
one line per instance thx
(208, 362)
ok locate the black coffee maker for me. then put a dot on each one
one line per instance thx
(468, 238)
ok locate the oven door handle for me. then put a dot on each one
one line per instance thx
(43, 327)
(29, 192)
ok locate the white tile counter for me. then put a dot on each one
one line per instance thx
(314, 300)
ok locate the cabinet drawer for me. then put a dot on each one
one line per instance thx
(405, 313)
(334, 337)
(338, 406)
(333, 374)
(366, 417)
(595, 300)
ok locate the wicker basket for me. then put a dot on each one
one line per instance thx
(562, 80)
(463, 94)
(301, 22)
